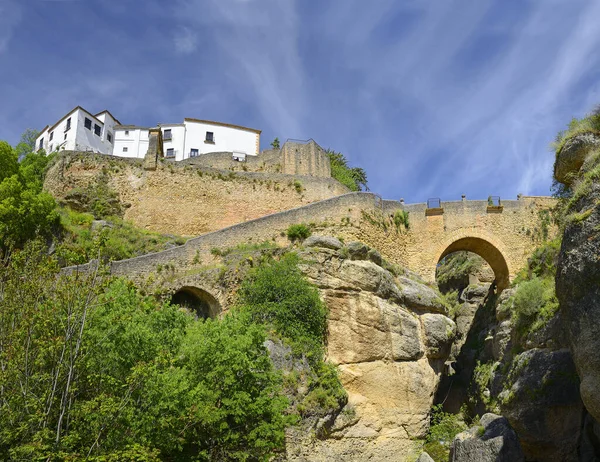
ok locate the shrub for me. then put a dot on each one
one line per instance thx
(277, 294)
(401, 218)
(298, 232)
(298, 186)
(534, 303)
(444, 427)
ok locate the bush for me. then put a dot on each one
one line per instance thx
(119, 240)
(534, 303)
(444, 427)
(277, 294)
(401, 218)
(298, 232)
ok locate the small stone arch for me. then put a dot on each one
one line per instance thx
(486, 250)
(198, 301)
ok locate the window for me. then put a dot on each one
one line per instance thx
(210, 137)
(170, 152)
(126, 132)
(125, 149)
(65, 136)
(41, 144)
(97, 129)
(87, 123)
(69, 124)
(194, 153)
(167, 135)
(109, 137)
(51, 135)
(50, 148)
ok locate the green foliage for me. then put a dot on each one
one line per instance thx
(534, 303)
(298, 232)
(24, 212)
(444, 427)
(482, 374)
(354, 178)
(401, 219)
(243, 417)
(325, 392)
(275, 144)
(117, 241)
(458, 266)
(93, 370)
(588, 124)
(298, 186)
(543, 261)
(97, 198)
(9, 164)
(27, 143)
(277, 294)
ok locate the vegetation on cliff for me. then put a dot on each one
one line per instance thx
(355, 178)
(588, 124)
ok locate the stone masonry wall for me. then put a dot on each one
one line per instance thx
(188, 200)
(364, 217)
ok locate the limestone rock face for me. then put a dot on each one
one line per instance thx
(543, 405)
(572, 156)
(326, 242)
(493, 441)
(389, 353)
(578, 290)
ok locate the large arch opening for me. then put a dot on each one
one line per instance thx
(470, 272)
(485, 250)
(198, 301)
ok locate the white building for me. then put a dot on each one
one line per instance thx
(79, 130)
(190, 139)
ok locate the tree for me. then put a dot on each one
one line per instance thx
(355, 178)
(27, 142)
(9, 164)
(275, 143)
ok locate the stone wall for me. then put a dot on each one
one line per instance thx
(364, 217)
(305, 159)
(186, 199)
(294, 158)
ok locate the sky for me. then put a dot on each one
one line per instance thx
(434, 99)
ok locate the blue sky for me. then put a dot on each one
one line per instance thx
(432, 98)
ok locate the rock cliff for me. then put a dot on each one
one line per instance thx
(389, 335)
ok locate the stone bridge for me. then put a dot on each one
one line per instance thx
(504, 235)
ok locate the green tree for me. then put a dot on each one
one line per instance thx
(27, 143)
(9, 164)
(275, 143)
(354, 178)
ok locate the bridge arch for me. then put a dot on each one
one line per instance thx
(202, 303)
(487, 247)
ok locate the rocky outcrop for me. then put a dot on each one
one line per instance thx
(572, 156)
(543, 404)
(492, 441)
(389, 340)
(578, 289)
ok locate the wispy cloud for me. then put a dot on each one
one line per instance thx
(10, 17)
(185, 41)
(432, 99)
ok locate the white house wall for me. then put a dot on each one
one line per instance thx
(177, 141)
(87, 140)
(136, 142)
(226, 139)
